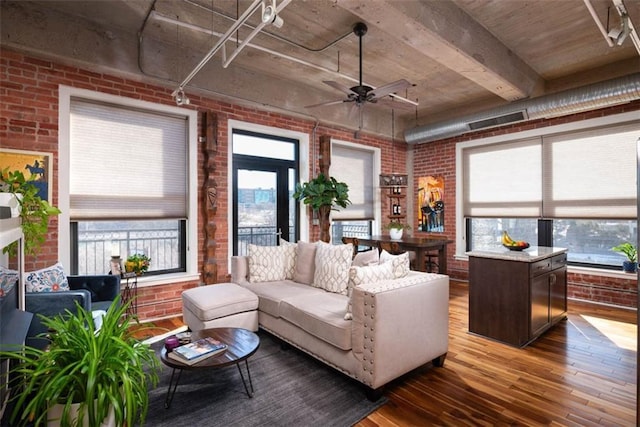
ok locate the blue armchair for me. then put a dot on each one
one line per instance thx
(91, 292)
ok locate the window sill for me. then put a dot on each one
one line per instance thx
(616, 274)
(166, 279)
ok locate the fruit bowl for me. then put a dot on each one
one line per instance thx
(517, 248)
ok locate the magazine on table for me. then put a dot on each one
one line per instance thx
(196, 351)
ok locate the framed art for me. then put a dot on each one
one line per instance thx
(33, 164)
(431, 204)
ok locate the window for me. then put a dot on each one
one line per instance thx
(358, 166)
(128, 168)
(573, 189)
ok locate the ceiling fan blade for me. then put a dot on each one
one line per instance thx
(390, 88)
(323, 104)
(395, 104)
(336, 85)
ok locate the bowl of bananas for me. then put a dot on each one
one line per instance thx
(512, 244)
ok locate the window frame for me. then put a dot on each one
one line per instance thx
(66, 93)
(304, 166)
(581, 125)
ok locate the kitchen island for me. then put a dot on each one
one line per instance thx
(515, 296)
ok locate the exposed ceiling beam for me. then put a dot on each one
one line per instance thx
(447, 34)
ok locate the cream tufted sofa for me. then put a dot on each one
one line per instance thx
(394, 327)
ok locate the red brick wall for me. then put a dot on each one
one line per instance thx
(29, 121)
(438, 158)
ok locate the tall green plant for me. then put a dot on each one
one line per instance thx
(98, 369)
(323, 194)
(34, 211)
(323, 191)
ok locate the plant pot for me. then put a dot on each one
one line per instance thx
(629, 266)
(55, 412)
(395, 233)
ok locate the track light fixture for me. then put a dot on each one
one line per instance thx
(180, 97)
(269, 15)
(619, 34)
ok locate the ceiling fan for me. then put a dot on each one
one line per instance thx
(361, 93)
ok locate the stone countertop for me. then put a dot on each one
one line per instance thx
(531, 254)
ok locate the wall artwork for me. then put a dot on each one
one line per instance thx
(31, 164)
(431, 204)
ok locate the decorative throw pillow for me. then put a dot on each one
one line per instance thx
(50, 279)
(359, 276)
(266, 263)
(401, 263)
(332, 267)
(305, 263)
(363, 259)
(289, 257)
(8, 279)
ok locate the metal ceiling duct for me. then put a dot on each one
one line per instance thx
(598, 95)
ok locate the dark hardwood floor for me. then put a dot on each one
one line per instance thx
(580, 373)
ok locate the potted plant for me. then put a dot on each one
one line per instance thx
(85, 376)
(33, 210)
(323, 194)
(396, 229)
(137, 263)
(631, 252)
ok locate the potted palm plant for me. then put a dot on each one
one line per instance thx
(396, 229)
(86, 376)
(631, 252)
(33, 210)
(323, 194)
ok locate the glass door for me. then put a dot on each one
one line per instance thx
(265, 170)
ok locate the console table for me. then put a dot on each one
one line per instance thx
(516, 296)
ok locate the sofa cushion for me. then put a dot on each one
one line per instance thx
(271, 294)
(50, 279)
(305, 267)
(290, 256)
(332, 267)
(401, 263)
(363, 259)
(267, 263)
(321, 315)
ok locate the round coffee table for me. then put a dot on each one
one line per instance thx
(241, 344)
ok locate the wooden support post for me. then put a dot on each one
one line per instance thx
(325, 154)
(210, 198)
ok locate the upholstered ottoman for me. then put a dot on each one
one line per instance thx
(220, 305)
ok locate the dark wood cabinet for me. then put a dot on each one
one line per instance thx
(513, 298)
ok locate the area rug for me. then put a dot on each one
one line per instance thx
(291, 389)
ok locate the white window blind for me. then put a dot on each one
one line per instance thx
(503, 180)
(126, 163)
(354, 166)
(577, 175)
(591, 174)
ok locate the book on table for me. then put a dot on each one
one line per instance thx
(197, 351)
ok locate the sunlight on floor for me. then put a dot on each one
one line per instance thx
(624, 335)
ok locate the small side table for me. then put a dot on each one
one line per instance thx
(130, 292)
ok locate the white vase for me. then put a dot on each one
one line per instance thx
(395, 233)
(10, 199)
(55, 412)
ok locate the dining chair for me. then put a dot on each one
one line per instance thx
(354, 241)
(392, 247)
